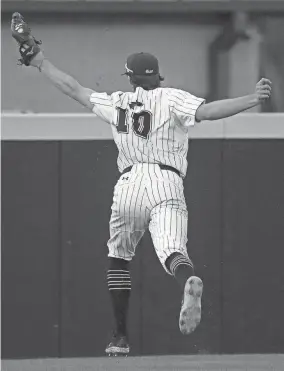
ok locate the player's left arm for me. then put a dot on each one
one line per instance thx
(229, 107)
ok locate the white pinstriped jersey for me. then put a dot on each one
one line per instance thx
(149, 126)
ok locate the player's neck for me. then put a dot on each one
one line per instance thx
(137, 86)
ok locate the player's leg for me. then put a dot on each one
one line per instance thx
(119, 285)
(120, 255)
(127, 226)
(168, 227)
(180, 267)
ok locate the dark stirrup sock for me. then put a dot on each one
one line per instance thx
(181, 267)
(119, 285)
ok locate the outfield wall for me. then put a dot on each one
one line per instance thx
(58, 174)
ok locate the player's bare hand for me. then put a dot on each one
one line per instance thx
(263, 90)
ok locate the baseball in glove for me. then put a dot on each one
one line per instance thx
(29, 46)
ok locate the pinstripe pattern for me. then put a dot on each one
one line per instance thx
(148, 197)
(172, 112)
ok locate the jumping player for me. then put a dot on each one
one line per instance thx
(150, 127)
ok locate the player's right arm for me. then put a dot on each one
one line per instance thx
(62, 81)
(32, 55)
(99, 103)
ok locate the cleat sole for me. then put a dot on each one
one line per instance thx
(190, 314)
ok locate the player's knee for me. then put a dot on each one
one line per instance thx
(118, 263)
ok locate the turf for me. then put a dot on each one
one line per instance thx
(251, 362)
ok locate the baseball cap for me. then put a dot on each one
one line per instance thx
(142, 64)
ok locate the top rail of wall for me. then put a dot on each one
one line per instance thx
(89, 127)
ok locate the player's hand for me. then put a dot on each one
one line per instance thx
(37, 60)
(28, 45)
(263, 90)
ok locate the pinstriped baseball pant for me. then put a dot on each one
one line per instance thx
(148, 197)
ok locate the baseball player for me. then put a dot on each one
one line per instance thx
(150, 128)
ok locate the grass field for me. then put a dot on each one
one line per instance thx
(251, 362)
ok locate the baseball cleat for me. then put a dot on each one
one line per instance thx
(190, 313)
(118, 346)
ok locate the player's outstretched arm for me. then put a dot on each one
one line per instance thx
(31, 55)
(64, 82)
(229, 107)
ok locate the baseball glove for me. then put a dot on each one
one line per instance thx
(29, 46)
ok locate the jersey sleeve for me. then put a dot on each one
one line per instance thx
(102, 106)
(184, 106)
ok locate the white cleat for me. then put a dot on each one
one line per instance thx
(190, 313)
(118, 347)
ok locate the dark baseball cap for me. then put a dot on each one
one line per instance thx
(142, 64)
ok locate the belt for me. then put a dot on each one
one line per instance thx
(162, 167)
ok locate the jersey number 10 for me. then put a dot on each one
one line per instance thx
(141, 123)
